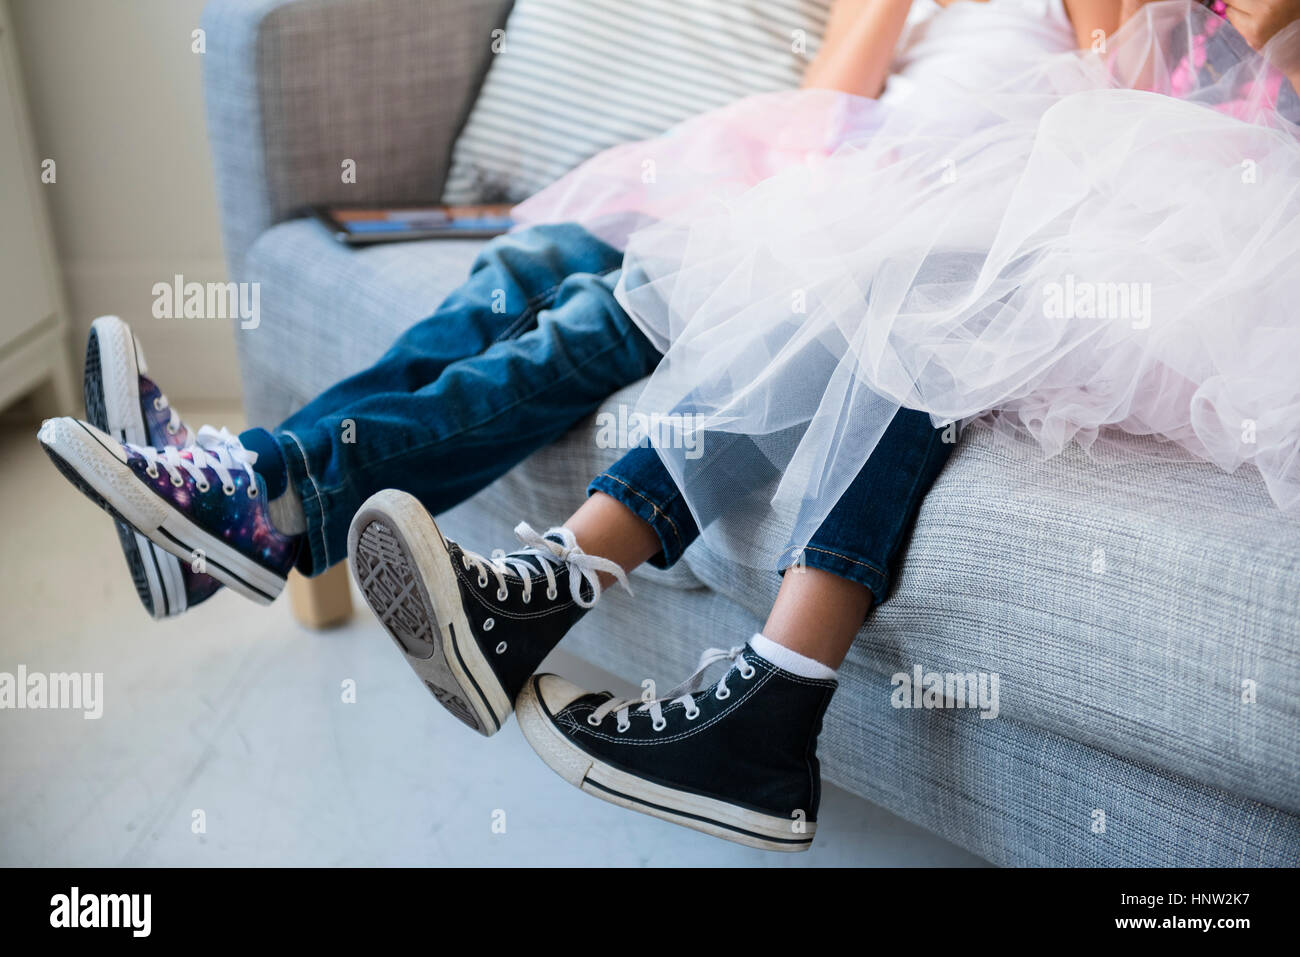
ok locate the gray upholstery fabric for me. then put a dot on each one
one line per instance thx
(295, 87)
(1121, 688)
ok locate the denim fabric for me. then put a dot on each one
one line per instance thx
(863, 537)
(509, 362)
(641, 483)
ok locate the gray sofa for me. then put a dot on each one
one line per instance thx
(1144, 620)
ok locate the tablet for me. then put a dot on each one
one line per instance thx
(364, 225)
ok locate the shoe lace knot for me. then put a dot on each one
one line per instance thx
(549, 552)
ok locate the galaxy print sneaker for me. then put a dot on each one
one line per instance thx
(473, 628)
(204, 503)
(124, 403)
(736, 759)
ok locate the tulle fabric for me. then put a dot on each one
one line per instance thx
(1106, 245)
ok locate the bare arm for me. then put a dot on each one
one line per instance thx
(859, 44)
(1087, 16)
(1261, 20)
(856, 52)
(1258, 21)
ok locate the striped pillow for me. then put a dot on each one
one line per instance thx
(574, 77)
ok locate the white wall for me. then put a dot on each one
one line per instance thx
(115, 99)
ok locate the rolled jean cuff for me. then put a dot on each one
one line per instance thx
(671, 521)
(843, 566)
(314, 556)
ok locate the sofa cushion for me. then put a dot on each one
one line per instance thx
(572, 77)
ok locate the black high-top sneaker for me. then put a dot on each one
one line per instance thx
(736, 760)
(473, 628)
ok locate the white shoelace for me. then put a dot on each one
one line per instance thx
(161, 404)
(213, 449)
(550, 555)
(683, 694)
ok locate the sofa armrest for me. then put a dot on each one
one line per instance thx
(293, 88)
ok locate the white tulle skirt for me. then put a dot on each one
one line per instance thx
(1106, 246)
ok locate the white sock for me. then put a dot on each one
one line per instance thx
(286, 512)
(789, 660)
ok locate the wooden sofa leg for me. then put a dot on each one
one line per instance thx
(323, 601)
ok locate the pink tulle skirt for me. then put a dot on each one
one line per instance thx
(1106, 246)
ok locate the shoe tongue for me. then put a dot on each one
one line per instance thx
(531, 559)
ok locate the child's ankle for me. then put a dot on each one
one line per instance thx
(787, 659)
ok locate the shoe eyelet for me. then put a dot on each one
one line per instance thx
(205, 487)
(172, 431)
(748, 674)
(252, 490)
(719, 694)
(489, 624)
(151, 472)
(501, 648)
(622, 728)
(594, 724)
(482, 581)
(692, 715)
(464, 562)
(177, 481)
(659, 725)
(527, 598)
(551, 594)
(502, 595)
(228, 489)
(157, 403)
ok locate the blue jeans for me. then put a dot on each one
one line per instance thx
(526, 348)
(863, 537)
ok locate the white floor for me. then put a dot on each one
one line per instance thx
(233, 717)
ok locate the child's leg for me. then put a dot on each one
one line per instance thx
(513, 279)
(736, 759)
(608, 526)
(831, 584)
(568, 346)
(634, 513)
(475, 629)
(376, 414)
(604, 526)
(818, 614)
(477, 420)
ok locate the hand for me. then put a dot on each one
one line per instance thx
(1258, 21)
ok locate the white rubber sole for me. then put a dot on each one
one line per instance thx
(599, 779)
(96, 465)
(120, 366)
(405, 571)
(119, 370)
